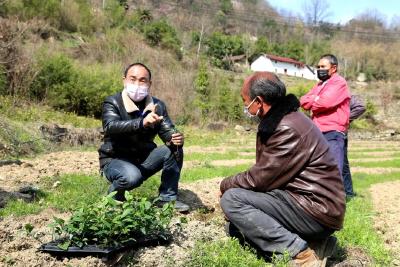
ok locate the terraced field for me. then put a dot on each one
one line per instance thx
(371, 235)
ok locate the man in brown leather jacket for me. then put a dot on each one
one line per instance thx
(294, 192)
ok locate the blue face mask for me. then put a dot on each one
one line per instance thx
(247, 112)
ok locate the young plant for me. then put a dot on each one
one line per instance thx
(112, 223)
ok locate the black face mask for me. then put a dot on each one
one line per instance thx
(323, 75)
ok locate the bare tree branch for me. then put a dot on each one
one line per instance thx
(315, 11)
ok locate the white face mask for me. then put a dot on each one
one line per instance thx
(247, 112)
(136, 92)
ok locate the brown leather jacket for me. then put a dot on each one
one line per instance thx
(296, 159)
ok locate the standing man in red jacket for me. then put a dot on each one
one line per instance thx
(329, 103)
(294, 193)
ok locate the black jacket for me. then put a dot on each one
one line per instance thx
(124, 134)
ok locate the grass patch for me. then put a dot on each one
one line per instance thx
(201, 137)
(394, 154)
(227, 252)
(395, 163)
(210, 171)
(217, 156)
(74, 191)
(35, 113)
(366, 150)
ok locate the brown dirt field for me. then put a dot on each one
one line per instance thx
(386, 199)
(18, 248)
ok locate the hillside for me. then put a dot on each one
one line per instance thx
(68, 57)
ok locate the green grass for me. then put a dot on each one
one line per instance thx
(395, 163)
(74, 190)
(353, 155)
(218, 156)
(33, 113)
(229, 252)
(358, 232)
(358, 228)
(202, 137)
(208, 171)
(366, 150)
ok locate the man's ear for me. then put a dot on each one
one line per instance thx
(259, 99)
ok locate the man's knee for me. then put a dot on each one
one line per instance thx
(230, 199)
(126, 178)
(132, 181)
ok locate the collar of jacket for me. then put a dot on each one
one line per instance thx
(279, 109)
(130, 106)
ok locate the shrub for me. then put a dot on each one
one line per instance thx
(227, 105)
(220, 46)
(160, 33)
(370, 110)
(54, 72)
(202, 89)
(300, 89)
(140, 18)
(115, 12)
(28, 9)
(85, 93)
(76, 16)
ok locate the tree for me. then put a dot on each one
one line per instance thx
(202, 88)
(261, 46)
(315, 11)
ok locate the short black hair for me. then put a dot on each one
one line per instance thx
(268, 86)
(137, 64)
(332, 59)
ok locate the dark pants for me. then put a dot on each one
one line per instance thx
(347, 181)
(336, 146)
(271, 221)
(125, 175)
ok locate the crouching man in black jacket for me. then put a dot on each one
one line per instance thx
(131, 120)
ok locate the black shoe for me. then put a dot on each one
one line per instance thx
(178, 206)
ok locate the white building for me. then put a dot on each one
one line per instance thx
(283, 65)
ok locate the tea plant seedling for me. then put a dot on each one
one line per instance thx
(109, 222)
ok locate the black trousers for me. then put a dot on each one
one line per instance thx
(271, 221)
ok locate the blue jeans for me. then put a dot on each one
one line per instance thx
(125, 175)
(336, 146)
(347, 181)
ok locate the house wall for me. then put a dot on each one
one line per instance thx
(265, 64)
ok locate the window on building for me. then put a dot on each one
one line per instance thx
(285, 71)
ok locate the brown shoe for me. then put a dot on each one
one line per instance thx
(324, 248)
(307, 258)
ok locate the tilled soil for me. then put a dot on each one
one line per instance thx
(386, 199)
(205, 222)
